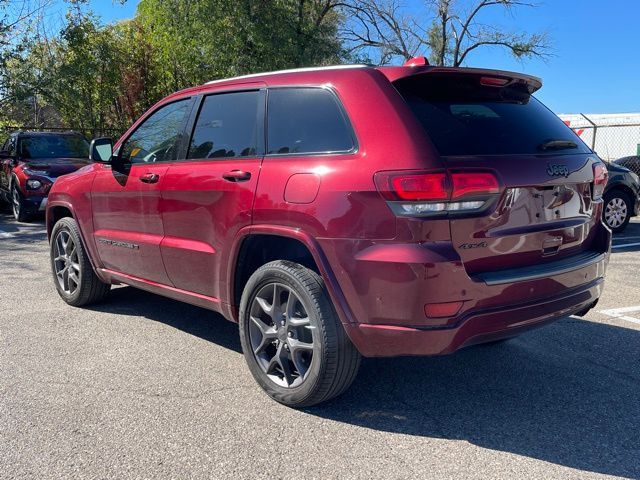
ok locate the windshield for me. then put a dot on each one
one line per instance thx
(53, 146)
(464, 118)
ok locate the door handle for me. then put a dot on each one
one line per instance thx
(150, 178)
(236, 176)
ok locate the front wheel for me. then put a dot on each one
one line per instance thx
(617, 210)
(73, 274)
(292, 339)
(18, 205)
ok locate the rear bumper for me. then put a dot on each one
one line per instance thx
(387, 286)
(394, 340)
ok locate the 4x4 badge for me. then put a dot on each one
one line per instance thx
(557, 170)
(467, 246)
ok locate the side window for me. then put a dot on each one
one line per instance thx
(10, 146)
(227, 126)
(306, 120)
(157, 139)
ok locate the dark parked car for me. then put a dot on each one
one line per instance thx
(632, 163)
(31, 161)
(621, 197)
(340, 212)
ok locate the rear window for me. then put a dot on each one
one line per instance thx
(306, 120)
(464, 118)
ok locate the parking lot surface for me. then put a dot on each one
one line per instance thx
(145, 387)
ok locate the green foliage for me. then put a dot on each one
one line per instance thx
(199, 40)
(98, 78)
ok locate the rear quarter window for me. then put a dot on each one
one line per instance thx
(305, 120)
(463, 118)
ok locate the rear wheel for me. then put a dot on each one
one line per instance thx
(73, 275)
(18, 205)
(617, 210)
(292, 340)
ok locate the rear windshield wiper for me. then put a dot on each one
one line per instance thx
(557, 145)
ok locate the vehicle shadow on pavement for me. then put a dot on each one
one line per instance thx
(627, 241)
(568, 394)
(32, 230)
(190, 319)
(30, 235)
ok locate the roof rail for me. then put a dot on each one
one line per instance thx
(292, 70)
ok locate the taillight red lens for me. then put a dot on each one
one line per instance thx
(413, 186)
(429, 186)
(473, 183)
(600, 177)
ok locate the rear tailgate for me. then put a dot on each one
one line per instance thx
(479, 121)
(539, 217)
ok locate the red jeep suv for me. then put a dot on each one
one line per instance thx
(342, 211)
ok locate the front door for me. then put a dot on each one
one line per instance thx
(6, 165)
(126, 196)
(208, 197)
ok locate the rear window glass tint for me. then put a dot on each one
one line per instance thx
(463, 118)
(306, 120)
(226, 126)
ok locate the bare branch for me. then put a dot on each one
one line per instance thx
(447, 30)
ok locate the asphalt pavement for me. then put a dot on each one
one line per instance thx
(145, 387)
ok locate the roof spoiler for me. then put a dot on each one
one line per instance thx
(490, 78)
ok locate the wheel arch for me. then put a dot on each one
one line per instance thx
(255, 239)
(60, 209)
(56, 211)
(13, 179)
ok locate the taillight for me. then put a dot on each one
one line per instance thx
(600, 176)
(474, 183)
(430, 186)
(413, 193)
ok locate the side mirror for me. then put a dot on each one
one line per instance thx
(101, 150)
(5, 154)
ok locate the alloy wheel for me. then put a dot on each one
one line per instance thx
(615, 212)
(281, 335)
(66, 264)
(15, 202)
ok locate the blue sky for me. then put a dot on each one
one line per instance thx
(596, 62)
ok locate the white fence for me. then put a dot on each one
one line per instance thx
(611, 135)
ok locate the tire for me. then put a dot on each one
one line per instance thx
(69, 255)
(617, 210)
(310, 342)
(18, 205)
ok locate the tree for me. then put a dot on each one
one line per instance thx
(386, 30)
(199, 40)
(15, 23)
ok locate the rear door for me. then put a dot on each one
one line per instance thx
(208, 197)
(484, 123)
(126, 197)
